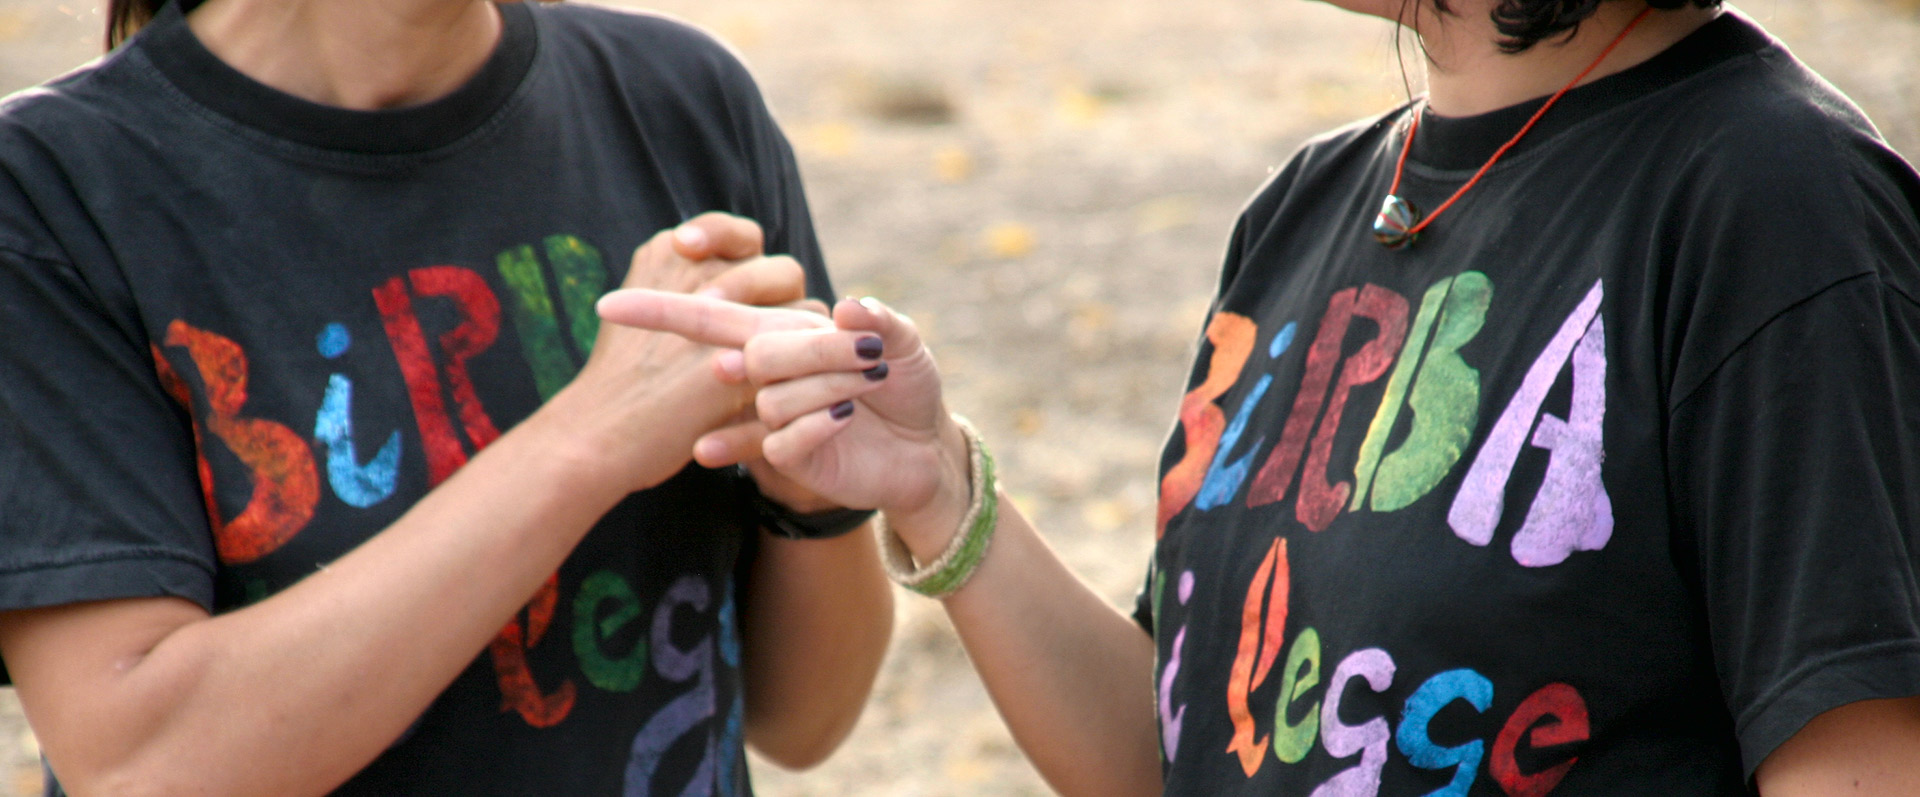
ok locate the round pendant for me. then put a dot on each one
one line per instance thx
(1393, 228)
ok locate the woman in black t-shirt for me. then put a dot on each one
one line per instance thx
(1552, 434)
(256, 218)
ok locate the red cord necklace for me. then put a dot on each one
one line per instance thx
(1399, 222)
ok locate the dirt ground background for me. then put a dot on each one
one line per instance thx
(1046, 186)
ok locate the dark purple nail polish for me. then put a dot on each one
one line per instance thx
(869, 347)
(841, 411)
(875, 373)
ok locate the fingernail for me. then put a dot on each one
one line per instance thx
(869, 347)
(733, 363)
(841, 411)
(875, 373)
(872, 304)
(690, 236)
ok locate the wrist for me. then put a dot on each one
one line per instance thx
(822, 521)
(939, 575)
(603, 452)
(927, 528)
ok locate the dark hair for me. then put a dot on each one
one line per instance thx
(127, 17)
(1525, 23)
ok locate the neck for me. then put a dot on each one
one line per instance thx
(1467, 73)
(356, 54)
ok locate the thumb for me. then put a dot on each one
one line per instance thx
(718, 235)
(897, 332)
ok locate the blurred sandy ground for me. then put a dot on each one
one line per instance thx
(1046, 186)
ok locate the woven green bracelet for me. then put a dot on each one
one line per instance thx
(969, 546)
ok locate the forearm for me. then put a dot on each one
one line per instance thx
(296, 693)
(819, 615)
(1071, 675)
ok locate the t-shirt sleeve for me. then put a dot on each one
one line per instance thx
(1796, 465)
(99, 496)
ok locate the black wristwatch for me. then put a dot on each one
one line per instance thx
(784, 522)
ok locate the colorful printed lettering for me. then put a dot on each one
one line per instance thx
(1170, 717)
(590, 631)
(1260, 635)
(519, 691)
(1293, 740)
(1572, 511)
(479, 325)
(355, 484)
(582, 278)
(285, 485)
(1232, 337)
(1445, 400)
(1369, 739)
(1553, 716)
(731, 737)
(689, 710)
(1320, 502)
(1223, 479)
(1426, 702)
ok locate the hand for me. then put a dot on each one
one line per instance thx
(855, 409)
(641, 393)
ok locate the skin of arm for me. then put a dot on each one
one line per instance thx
(296, 693)
(1865, 748)
(1070, 673)
(815, 628)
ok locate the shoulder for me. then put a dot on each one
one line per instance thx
(1773, 188)
(1322, 160)
(1771, 153)
(1765, 126)
(1321, 168)
(37, 128)
(82, 101)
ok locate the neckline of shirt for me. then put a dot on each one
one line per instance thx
(170, 45)
(1466, 142)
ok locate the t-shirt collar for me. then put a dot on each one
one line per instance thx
(1466, 142)
(174, 50)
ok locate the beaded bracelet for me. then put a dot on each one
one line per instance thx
(969, 546)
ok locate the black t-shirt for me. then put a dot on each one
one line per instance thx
(246, 332)
(1607, 485)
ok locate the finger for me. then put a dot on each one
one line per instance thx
(776, 358)
(731, 366)
(780, 404)
(762, 281)
(812, 306)
(730, 445)
(793, 444)
(899, 336)
(659, 264)
(700, 319)
(718, 235)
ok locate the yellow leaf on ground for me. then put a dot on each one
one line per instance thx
(1106, 516)
(1028, 421)
(828, 139)
(1010, 240)
(952, 164)
(1078, 106)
